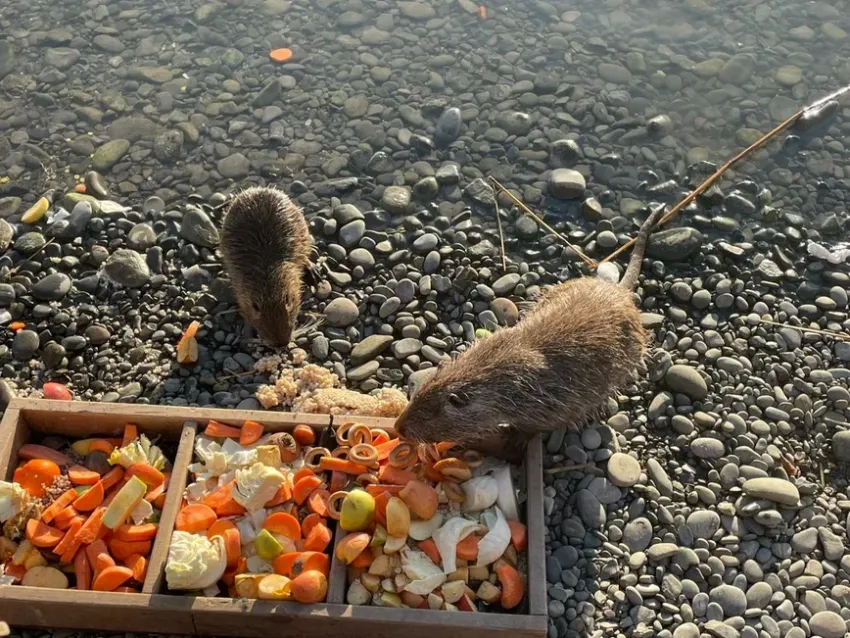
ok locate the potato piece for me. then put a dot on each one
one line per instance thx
(388, 585)
(449, 607)
(357, 594)
(48, 577)
(394, 544)
(371, 582)
(453, 591)
(36, 559)
(435, 601)
(401, 581)
(479, 574)
(390, 600)
(461, 575)
(381, 566)
(489, 593)
(248, 585)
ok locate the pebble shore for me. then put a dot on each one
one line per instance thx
(722, 509)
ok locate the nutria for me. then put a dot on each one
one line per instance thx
(265, 245)
(554, 369)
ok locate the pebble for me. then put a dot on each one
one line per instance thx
(773, 489)
(687, 380)
(341, 312)
(52, 287)
(566, 183)
(623, 470)
(128, 268)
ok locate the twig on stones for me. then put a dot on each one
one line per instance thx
(235, 376)
(525, 209)
(764, 139)
(827, 333)
(29, 257)
(501, 235)
(567, 468)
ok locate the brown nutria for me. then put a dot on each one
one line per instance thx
(265, 245)
(554, 369)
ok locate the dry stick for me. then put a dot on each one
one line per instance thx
(29, 258)
(827, 333)
(590, 262)
(737, 158)
(501, 234)
(567, 468)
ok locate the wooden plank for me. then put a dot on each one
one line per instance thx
(104, 611)
(535, 524)
(260, 619)
(173, 499)
(13, 434)
(337, 585)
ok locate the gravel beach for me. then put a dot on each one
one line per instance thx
(722, 508)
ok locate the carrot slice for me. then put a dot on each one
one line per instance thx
(42, 535)
(339, 481)
(341, 465)
(65, 516)
(231, 508)
(36, 476)
(377, 489)
(151, 476)
(363, 560)
(216, 430)
(145, 532)
(319, 539)
(80, 475)
(304, 487)
(251, 432)
(121, 550)
(65, 525)
(430, 549)
(519, 535)
(195, 518)
(384, 449)
(101, 445)
(232, 539)
(284, 493)
(131, 433)
(138, 564)
(220, 496)
(90, 499)
(308, 561)
(381, 501)
(304, 434)
(512, 588)
(300, 474)
(467, 549)
(283, 563)
(112, 578)
(31, 451)
(112, 477)
(156, 492)
(317, 502)
(68, 539)
(82, 571)
(98, 555)
(390, 474)
(284, 524)
(91, 528)
(379, 437)
(309, 522)
(58, 505)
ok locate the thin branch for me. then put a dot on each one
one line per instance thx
(764, 139)
(590, 262)
(501, 235)
(827, 333)
(567, 468)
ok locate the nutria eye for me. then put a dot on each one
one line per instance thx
(457, 400)
(256, 307)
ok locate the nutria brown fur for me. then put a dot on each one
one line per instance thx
(265, 245)
(554, 369)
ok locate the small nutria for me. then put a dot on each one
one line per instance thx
(265, 245)
(554, 369)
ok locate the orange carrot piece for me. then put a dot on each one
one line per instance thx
(112, 578)
(390, 474)
(280, 55)
(519, 535)
(71, 553)
(156, 492)
(513, 589)
(283, 564)
(216, 430)
(384, 449)
(251, 432)
(101, 445)
(379, 437)
(69, 537)
(65, 525)
(80, 475)
(90, 499)
(91, 528)
(284, 493)
(467, 549)
(363, 560)
(121, 550)
(131, 433)
(339, 481)
(304, 434)
(112, 477)
(308, 561)
(430, 549)
(17, 572)
(376, 489)
(317, 502)
(58, 505)
(97, 549)
(159, 501)
(66, 515)
(151, 476)
(219, 497)
(309, 522)
(300, 474)
(341, 465)
(144, 532)
(42, 535)
(195, 518)
(30, 451)
(283, 524)
(232, 539)
(231, 508)
(138, 564)
(82, 571)
(319, 539)
(304, 488)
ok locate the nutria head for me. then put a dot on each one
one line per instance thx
(270, 302)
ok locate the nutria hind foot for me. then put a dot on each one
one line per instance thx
(315, 271)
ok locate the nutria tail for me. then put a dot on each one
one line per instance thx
(630, 279)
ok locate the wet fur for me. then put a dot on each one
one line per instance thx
(265, 246)
(554, 369)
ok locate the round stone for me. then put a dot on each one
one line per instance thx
(707, 448)
(341, 312)
(623, 470)
(731, 599)
(566, 183)
(827, 624)
(53, 287)
(703, 523)
(841, 446)
(128, 268)
(25, 345)
(686, 380)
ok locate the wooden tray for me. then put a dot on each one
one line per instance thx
(154, 611)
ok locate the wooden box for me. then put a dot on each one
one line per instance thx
(155, 611)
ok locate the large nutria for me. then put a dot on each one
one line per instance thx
(265, 245)
(554, 369)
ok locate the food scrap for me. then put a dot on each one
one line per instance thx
(254, 523)
(429, 526)
(83, 514)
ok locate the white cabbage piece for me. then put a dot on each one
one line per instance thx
(13, 499)
(256, 486)
(247, 532)
(194, 561)
(448, 536)
(218, 459)
(257, 565)
(481, 493)
(141, 512)
(139, 450)
(424, 575)
(495, 541)
(423, 530)
(507, 494)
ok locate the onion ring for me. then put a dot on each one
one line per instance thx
(403, 456)
(342, 432)
(314, 454)
(366, 479)
(364, 454)
(337, 497)
(359, 434)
